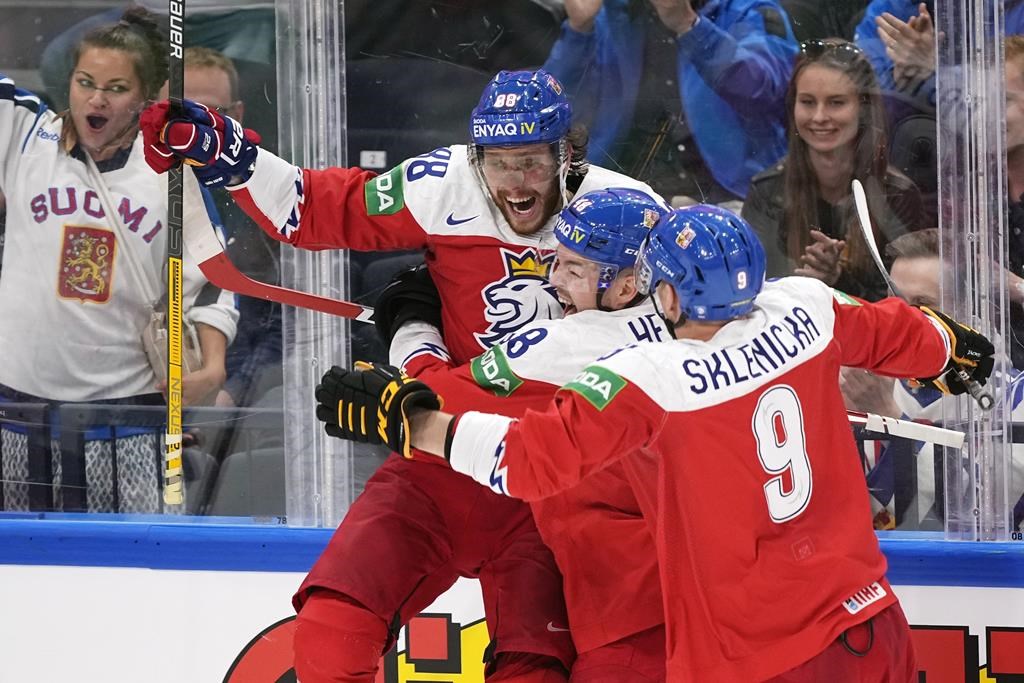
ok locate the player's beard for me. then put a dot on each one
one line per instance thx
(550, 205)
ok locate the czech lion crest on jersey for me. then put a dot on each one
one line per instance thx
(86, 264)
(521, 297)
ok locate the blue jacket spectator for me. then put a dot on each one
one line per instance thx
(733, 65)
(920, 94)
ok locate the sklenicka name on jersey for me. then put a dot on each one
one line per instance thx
(776, 346)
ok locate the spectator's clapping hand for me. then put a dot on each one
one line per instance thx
(821, 258)
(677, 15)
(581, 13)
(867, 392)
(909, 44)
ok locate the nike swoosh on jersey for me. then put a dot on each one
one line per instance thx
(452, 220)
(555, 629)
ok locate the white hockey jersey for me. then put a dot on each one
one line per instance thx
(72, 311)
(492, 281)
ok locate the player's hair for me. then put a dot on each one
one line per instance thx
(137, 33)
(917, 244)
(801, 196)
(208, 58)
(578, 138)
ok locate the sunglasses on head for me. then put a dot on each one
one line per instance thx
(844, 53)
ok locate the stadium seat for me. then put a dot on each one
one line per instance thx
(250, 484)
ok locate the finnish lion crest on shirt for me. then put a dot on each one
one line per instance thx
(522, 296)
(87, 264)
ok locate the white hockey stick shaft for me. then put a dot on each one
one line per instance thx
(860, 200)
(204, 246)
(907, 429)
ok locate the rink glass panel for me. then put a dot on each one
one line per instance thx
(371, 84)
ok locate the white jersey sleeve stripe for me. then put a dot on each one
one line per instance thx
(415, 339)
(25, 100)
(478, 449)
(276, 188)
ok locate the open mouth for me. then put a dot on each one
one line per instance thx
(568, 308)
(521, 206)
(96, 123)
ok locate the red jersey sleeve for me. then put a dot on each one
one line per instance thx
(329, 209)
(888, 337)
(461, 392)
(544, 453)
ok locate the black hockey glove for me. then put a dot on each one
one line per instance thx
(371, 404)
(969, 350)
(411, 295)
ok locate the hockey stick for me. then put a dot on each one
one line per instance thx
(907, 429)
(205, 247)
(173, 473)
(860, 200)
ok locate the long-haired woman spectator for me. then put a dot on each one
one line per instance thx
(83, 258)
(803, 207)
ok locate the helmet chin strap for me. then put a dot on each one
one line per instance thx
(565, 157)
(661, 314)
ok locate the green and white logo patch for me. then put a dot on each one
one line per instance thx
(844, 299)
(596, 384)
(384, 194)
(492, 371)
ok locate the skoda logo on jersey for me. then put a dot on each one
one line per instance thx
(520, 297)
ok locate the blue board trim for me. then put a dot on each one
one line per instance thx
(928, 560)
(214, 545)
(211, 547)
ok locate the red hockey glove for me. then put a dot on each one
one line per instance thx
(371, 404)
(969, 350)
(219, 148)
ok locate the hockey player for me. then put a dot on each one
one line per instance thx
(769, 565)
(484, 214)
(85, 243)
(596, 530)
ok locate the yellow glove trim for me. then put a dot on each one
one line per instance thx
(952, 337)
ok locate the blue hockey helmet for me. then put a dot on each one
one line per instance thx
(608, 226)
(712, 258)
(521, 108)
